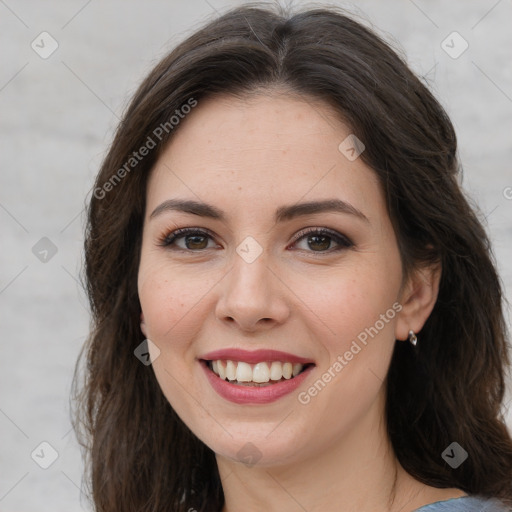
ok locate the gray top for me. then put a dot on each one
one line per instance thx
(466, 504)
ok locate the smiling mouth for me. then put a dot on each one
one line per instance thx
(265, 373)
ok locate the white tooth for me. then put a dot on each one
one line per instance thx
(243, 372)
(260, 373)
(230, 370)
(276, 370)
(297, 367)
(214, 367)
(221, 369)
(287, 370)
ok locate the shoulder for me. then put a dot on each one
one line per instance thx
(466, 504)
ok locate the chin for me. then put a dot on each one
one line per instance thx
(257, 449)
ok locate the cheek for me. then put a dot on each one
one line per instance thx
(361, 314)
(170, 302)
(348, 300)
(358, 309)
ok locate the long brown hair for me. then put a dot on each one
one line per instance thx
(140, 455)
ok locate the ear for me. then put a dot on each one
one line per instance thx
(418, 297)
(143, 325)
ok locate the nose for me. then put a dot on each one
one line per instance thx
(252, 297)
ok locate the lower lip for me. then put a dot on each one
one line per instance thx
(240, 394)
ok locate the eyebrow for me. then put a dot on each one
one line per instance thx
(283, 213)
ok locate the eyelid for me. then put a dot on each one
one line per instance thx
(167, 239)
(343, 242)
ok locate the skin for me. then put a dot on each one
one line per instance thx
(248, 157)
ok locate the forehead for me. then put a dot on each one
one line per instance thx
(259, 150)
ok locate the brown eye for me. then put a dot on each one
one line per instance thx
(319, 243)
(188, 239)
(196, 242)
(322, 240)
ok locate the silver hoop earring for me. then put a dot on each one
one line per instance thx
(413, 339)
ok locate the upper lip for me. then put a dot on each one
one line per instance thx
(253, 356)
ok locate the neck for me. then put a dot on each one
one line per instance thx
(360, 472)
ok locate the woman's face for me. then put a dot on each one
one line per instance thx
(271, 263)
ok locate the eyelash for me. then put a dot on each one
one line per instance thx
(342, 241)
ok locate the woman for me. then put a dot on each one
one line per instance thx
(294, 306)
